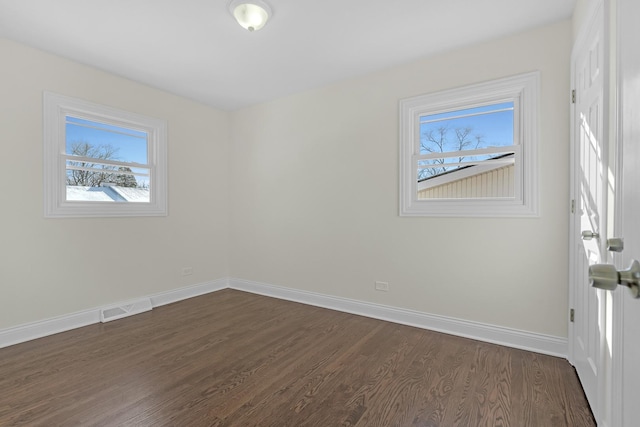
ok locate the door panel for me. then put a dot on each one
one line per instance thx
(588, 182)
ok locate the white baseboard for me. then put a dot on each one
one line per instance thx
(539, 343)
(43, 328)
(176, 295)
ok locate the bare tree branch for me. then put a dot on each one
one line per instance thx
(105, 174)
(440, 140)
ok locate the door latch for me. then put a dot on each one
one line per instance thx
(615, 244)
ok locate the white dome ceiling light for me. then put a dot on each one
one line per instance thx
(250, 14)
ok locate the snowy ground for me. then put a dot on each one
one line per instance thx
(107, 194)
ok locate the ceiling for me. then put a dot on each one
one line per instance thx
(194, 48)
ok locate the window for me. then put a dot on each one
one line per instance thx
(471, 151)
(102, 162)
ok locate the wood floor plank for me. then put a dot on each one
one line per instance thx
(233, 359)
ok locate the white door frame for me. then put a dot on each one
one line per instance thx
(615, 379)
(626, 34)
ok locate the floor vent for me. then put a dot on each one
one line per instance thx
(130, 308)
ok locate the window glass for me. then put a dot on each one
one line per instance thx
(102, 160)
(463, 147)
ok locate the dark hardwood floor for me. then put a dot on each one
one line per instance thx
(235, 359)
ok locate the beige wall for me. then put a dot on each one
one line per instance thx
(51, 267)
(314, 196)
(301, 192)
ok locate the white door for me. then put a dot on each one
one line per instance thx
(629, 80)
(588, 219)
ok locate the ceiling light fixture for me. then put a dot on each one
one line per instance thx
(251, 15)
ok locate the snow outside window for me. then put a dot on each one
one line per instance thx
(471, 151)
(102, 162)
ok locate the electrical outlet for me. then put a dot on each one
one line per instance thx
(382, 286)
(187, 271)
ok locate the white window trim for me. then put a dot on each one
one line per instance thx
(56, 108)
(523, 90)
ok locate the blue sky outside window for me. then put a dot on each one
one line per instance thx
(456, 134)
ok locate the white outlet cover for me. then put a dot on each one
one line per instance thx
(382, 286)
